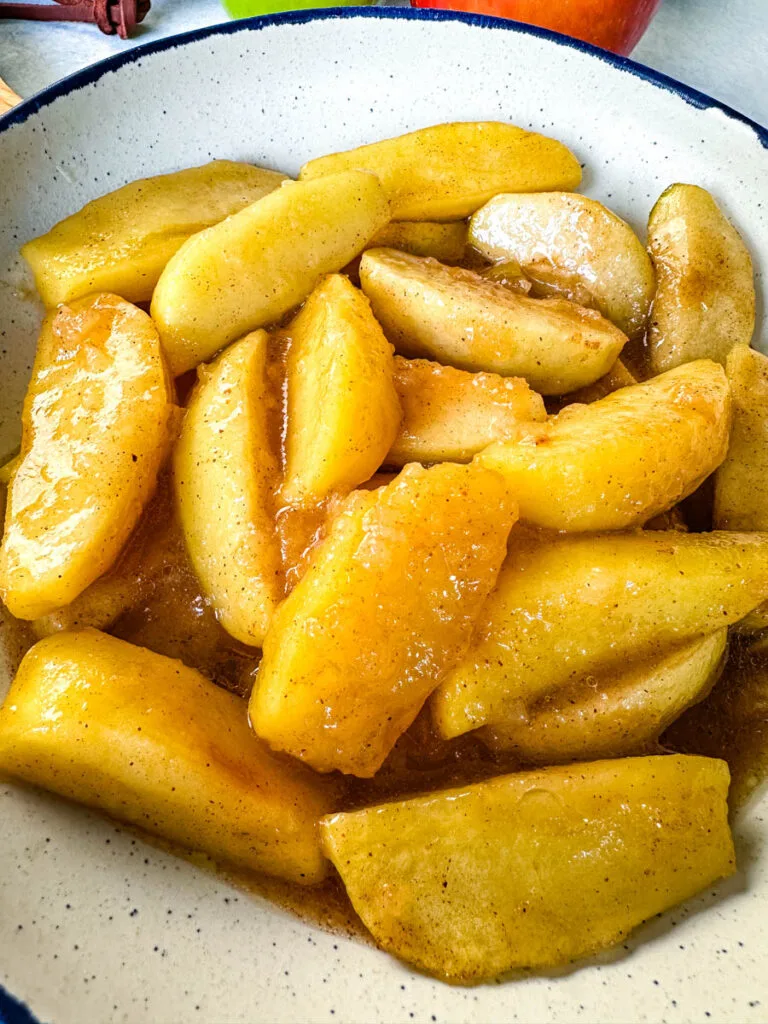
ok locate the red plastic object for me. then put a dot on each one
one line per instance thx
(112, 16)
(615, 25)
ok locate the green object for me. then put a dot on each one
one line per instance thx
(250, 8)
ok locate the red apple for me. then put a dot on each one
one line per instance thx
(613, 24)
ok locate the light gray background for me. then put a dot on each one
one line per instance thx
(718, 46)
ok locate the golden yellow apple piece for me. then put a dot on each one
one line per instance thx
(153, 743)
(570, 606)
(705, 297)
(256, 265)
(619, 376)
(570, 245)
(343, 410)
(741, 482)
(447, 171)
(446, 242)
(535, 869)
(121, 241)
(225, 477)
(95, 431)
(449, 415)
(130, 580)
(458, 317)
(620, 461)
(621, 712)
(384, 610)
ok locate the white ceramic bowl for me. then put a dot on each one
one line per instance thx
(94, 925)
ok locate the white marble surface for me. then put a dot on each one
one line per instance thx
(718, 46)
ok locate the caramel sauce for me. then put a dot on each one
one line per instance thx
(732, 723)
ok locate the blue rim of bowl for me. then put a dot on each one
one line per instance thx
(92, 73)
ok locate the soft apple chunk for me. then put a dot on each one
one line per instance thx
(568, 607)
(461, 318)
(255, 266)
(621, 712)
(450, 414)
(447, 171)
(95, 431)
(225, 476)
(343, 410)
(620, 461)
(705, 299)
(536, 869)
(120, 242)
(741, 482)
(619, 376)
(154, 743)
(570, 245)
(129, 581)
(384, 610)
(446, 242)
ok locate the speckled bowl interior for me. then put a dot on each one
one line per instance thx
(96, 926)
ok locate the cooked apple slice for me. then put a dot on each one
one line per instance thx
(619, 376)
(741, 482)
(225, 476)
(619, 713)
(449, 415)
(572, 246)
(620, 461)
(535, 869)
(568, 607)
(445, 242)
(130, 580)
(95, 430)
(153, 743)
(705, 297)
(385, 608)
(343, 409)
(121, 241)
(447, 171)
(461, 318)
(256, 265)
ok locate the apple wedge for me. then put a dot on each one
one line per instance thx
(122, 241)
(96, 427)
(569, 607)
(620, 461)
(449, 415)
(741, 482)
(339, 365)
(460, 318)
(619, 376)
(255, 266)
(225, 476)
(384, 610)
(537, 869)
(154, 743)
(447, 171)
(446, 242)
(705, 297)
(619, 713)
(570, 245)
